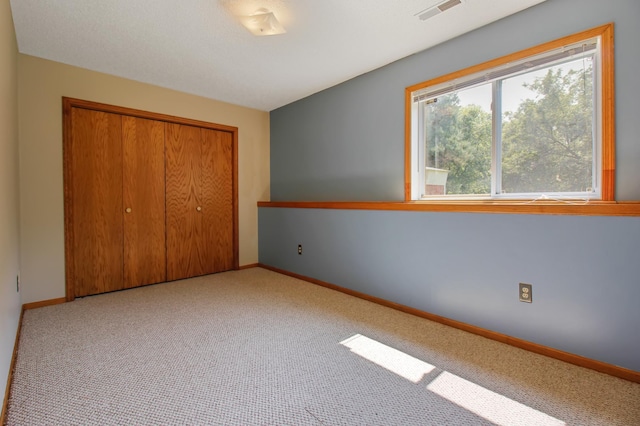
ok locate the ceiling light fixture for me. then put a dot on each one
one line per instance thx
(262, 23)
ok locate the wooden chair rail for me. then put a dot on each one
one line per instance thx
(592, 208)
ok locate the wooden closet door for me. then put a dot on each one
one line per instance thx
(184, 209)
(217, 200)
(144, 201)
(200, 201)
(96, 201)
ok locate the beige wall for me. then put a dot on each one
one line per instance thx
(42, 84)
(9, 297)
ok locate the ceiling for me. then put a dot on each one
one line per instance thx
(200, 47)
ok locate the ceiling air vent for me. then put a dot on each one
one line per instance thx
(437, 9)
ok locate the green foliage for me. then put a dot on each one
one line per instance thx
(461, 144)
(546, 142)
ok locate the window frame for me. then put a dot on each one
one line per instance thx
(606, 148)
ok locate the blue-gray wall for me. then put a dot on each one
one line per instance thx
(347, 142)
(584, 270)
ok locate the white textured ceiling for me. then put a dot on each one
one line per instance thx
(199, 46)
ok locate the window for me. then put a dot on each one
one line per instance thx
(537, 124)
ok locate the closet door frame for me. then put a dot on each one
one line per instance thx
(67, 106)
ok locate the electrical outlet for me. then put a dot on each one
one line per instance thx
(525, 293)
(299, 248)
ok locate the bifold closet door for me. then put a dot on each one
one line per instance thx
(199, 203)
(148, 198)
(217, 197)
(144, 201)
(96, 201)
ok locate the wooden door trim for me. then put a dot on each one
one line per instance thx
(96, 106)
(67, 173)
(67, 105)
(236, 233)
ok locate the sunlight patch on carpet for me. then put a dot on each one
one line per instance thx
(389, 358)
(490, 405)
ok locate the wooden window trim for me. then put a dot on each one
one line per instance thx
(608, 165)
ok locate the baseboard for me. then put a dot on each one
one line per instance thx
(602, 367)
(12, 365)
(26, 306)
(43, 303)
(249, 266)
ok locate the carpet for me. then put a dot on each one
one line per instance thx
(255, 347)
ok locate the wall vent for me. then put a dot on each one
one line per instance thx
(437, 9)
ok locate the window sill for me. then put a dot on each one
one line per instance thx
(591, 208)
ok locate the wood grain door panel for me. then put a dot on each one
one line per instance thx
(177, 176)
(183, 183)
(96, 203)
(144, 201)
(217, 201)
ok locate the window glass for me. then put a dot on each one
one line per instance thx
(547, 130)
(458, 139)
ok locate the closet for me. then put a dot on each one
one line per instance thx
(148, 198)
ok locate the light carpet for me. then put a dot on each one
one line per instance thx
(254, 347)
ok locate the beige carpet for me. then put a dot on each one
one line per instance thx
(258, 348)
